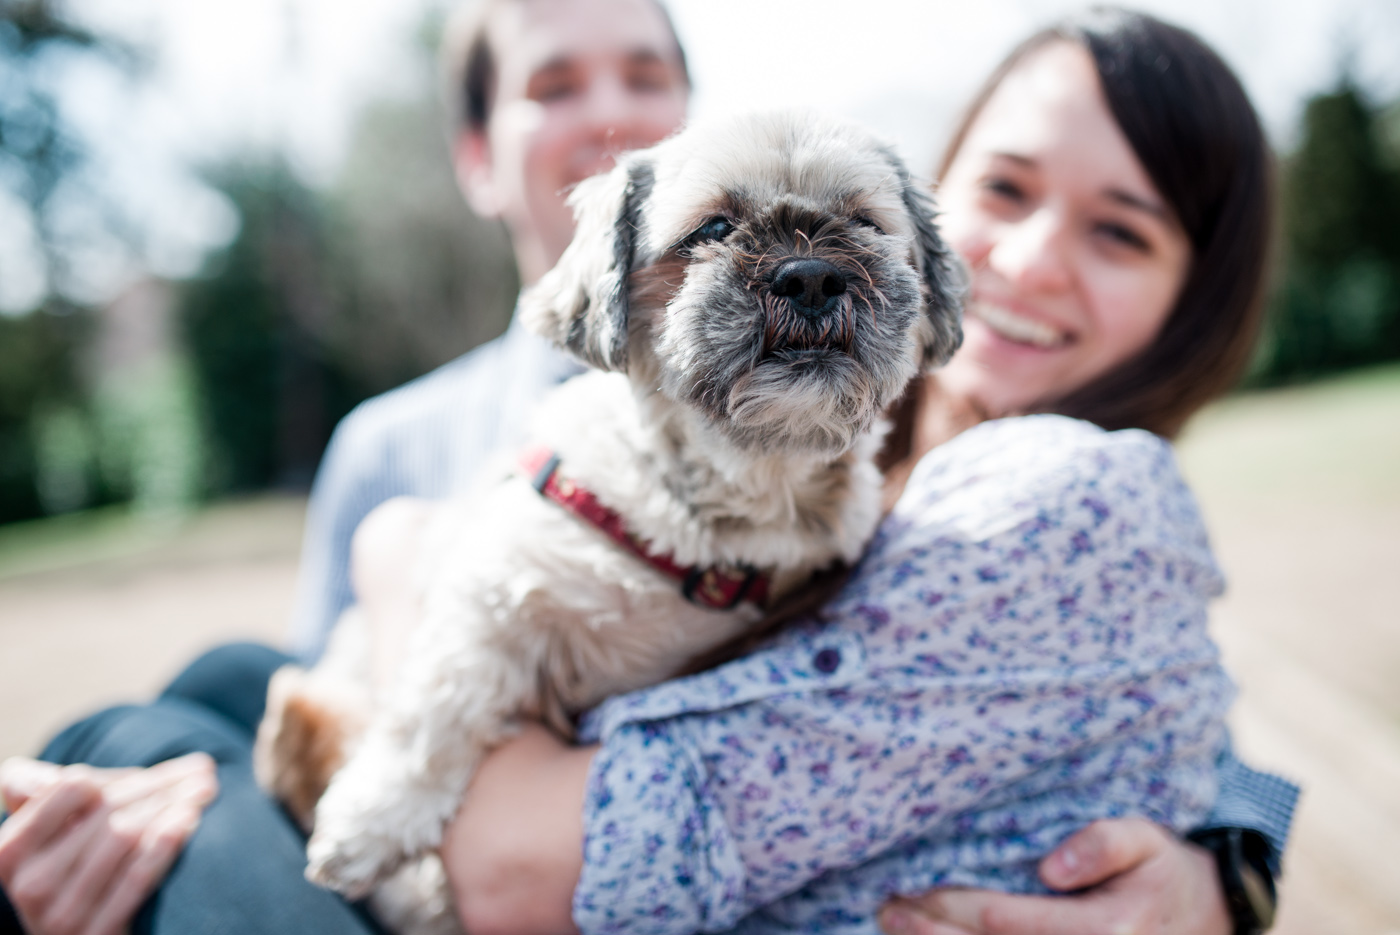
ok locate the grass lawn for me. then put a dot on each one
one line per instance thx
(116, 537)
(1338, 440)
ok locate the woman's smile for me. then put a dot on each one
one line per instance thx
(1017, 327)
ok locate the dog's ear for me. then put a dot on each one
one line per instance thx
(943, 274)
(581, 304)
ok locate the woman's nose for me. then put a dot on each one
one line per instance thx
(1031, 253)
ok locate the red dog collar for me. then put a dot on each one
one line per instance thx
(719, 587)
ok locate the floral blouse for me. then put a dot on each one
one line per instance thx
(1022, 650)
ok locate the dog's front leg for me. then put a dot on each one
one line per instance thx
(454, 700)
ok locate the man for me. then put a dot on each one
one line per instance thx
(548, 91)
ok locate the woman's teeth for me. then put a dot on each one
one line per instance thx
(1018, 328)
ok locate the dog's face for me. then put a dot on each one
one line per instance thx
(780, 274)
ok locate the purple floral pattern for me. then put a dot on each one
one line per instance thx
(1022, 650)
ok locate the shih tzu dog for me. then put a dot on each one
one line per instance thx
(753, 294)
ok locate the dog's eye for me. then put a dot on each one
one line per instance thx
(712, 230)
(864, 221)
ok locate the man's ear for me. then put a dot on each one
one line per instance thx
(581, 304)
(471, 161)
(943, 274)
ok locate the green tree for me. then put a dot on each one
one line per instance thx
(40, 152)
(425, 279)
(252, 324)
(37, 372)
(1337, 303)
(48, 457)
(327, 297)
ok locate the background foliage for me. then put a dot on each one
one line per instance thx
(329, 294)
(1336, 303)
(324, 297)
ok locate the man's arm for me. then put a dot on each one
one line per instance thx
(1138, 877)
(1255, 801)
(514, 853)
(84, 847)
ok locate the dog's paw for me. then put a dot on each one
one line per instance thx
(277, 747)
(308, 728)
(351, 865)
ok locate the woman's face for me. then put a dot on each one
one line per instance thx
(1076, 260)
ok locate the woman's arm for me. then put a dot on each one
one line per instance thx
(513, 855)
(515, 850)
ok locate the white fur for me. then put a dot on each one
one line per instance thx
(527, 609)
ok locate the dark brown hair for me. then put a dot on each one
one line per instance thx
(1190, 124)
(471, 62)
(1193, 129)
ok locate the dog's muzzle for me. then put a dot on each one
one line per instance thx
(806, 307)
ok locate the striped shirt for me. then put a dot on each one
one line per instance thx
(429, 438)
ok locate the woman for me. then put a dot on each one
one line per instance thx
(1113, 211)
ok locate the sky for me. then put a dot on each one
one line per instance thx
(246, 75)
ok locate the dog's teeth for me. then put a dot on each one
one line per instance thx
(1017, 327)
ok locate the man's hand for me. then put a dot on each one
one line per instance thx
(1144, 882)
(84, 847)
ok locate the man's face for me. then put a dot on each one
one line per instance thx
(577, 82)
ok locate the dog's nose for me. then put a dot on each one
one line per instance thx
(810, 284)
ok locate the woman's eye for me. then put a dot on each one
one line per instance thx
(1005, 188)
(1125, 236)
(715, 229)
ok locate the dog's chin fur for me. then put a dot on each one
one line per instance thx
(737, 427)
(815, 400)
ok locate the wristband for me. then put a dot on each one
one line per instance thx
(1241, 857)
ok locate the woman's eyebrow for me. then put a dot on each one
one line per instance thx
(1017, 158)
(1128, 199)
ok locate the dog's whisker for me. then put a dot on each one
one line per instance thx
(869, 306)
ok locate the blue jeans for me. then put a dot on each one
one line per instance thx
(241, 871)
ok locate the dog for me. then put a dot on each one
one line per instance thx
(752, 294)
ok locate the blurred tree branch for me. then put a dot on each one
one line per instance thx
(39, 149)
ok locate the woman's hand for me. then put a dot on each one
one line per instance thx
(1145, 882)
(84, 847)
(515, 850)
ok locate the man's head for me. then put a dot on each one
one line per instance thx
(547, 92)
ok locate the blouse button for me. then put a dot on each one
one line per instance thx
(827, 660)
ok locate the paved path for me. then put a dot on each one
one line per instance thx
(115, 621)
(1302, 492)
